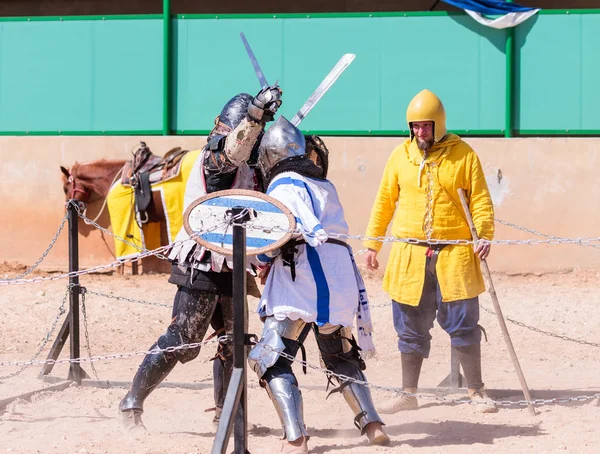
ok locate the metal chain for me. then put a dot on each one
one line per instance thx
(102, 229)
(133, 258)
(129, 300)
(535, 232)
(521, 324)
(61, 312)
(433, 241)
(251, 226)
(547, 333)
(46, 252)
(449, 400)
(83, 290)
(91, 359)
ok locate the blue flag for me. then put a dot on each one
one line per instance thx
(511, 14)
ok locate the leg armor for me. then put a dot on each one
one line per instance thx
(340, 354)
(192, 311)
(218, 361)
(224, 318)
(153, 370)
(276, 375)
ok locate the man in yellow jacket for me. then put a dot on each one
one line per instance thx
(422, 176)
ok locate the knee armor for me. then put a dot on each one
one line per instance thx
(278, 336)
(276, 374)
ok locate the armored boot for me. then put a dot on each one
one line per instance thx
(411, 370)
(340, 354)
(153, 370)
(219, 389)
(470, 360)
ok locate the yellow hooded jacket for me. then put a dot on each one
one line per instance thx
(451, 164)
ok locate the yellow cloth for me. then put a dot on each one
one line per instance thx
(120, 202)
(453, 165)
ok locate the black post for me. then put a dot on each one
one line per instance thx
(239, 333)
(75, 371)
(235, 405)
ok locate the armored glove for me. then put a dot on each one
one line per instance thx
(264, 105)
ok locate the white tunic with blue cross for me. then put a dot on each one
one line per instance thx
(325, 289)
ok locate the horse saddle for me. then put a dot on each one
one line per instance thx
(146, 169)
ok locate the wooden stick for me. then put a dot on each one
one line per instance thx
(492, 291)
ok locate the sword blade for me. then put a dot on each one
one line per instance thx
(323, 87)
(259, 74)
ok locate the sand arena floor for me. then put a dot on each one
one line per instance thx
(83, 419)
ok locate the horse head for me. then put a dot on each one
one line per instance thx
(74, 187)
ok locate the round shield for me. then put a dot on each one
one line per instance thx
(209, 220)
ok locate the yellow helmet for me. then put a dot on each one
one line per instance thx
(426, 106)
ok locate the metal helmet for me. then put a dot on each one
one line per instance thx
(232, 114)
(426, 106)
(282, 141)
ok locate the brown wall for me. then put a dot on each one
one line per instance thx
(546, 184)
(106, 7)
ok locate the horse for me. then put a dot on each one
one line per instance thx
(87, 183)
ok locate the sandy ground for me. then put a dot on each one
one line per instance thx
(83, 419)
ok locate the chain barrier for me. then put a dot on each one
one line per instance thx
(551, 240)
(129, 300)
(547, 333)
(518, 323)
(61, 312)
(538, 233)
(91, 359)
(83, 291)
(432, 241)
(441, 399)
(102, 229)
(46, 252)
(95, 269)
(328, 373)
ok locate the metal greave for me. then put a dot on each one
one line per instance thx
(358, 397)
(287, 399)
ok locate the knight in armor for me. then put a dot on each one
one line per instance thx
(313, 281)
(203, 278)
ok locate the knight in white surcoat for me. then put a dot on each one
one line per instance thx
(313, 281)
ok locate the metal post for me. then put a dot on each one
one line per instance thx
(510, 81)
(166, 129)
(75, 371)
(239, 333)
(235, 405)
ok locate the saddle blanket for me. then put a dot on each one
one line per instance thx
(121, 209)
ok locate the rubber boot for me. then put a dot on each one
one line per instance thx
(154, 369)
(470, 360)
(219, 389)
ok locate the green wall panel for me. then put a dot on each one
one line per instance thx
(462, 61)
(86, 75)
(558, 73)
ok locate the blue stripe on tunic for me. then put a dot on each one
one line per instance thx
(322, 288)
(298, 183)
